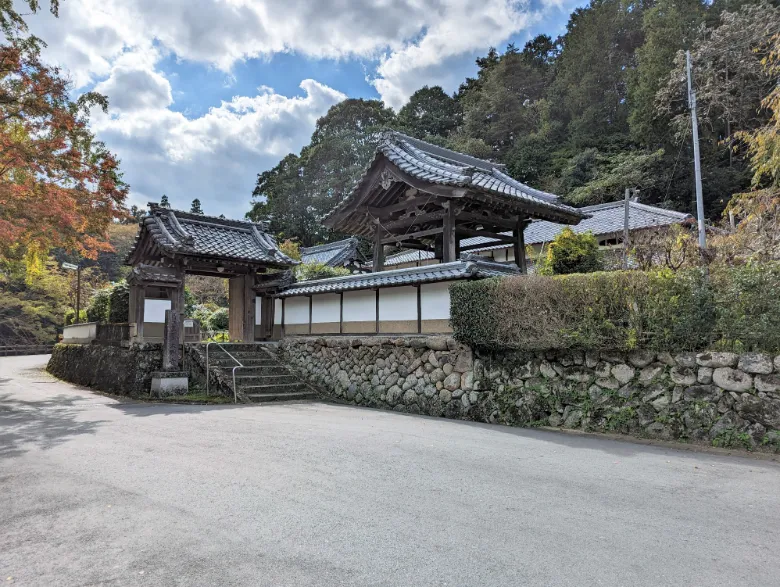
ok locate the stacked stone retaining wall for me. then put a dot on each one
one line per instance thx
(113, 369)
(714, 397)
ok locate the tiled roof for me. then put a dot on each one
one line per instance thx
(441, 166)
(182, 233)
(468, 267)
(604, 219)
(333, 254)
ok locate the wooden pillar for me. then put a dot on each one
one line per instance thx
(136, 314)
(379, 250)
(241, 308)
(448, 237)
(519, 244)
(250, 308)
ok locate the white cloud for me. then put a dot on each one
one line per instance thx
(416, 37)
(116, 45)
(214, 157)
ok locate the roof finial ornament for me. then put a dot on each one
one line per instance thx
(386, 179)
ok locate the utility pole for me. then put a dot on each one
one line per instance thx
(625, 228)
(696, 158)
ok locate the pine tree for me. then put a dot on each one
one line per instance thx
(195, 208)
(164, 201)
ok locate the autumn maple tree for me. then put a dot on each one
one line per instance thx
(59, 187)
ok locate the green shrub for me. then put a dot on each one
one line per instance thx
(737, 308)
(70, 316)
(119, 303)
(99, 305)
(309, 271)
(569, 253)
(219, 320)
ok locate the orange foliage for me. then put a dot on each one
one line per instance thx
(59, 187)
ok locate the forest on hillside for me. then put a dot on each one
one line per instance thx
(601, 108)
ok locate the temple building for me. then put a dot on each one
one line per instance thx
(605, 221)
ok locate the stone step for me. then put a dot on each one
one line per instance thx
(275, 388)
(244, 380)
(227, 361)
(252, 370)
(276, 397)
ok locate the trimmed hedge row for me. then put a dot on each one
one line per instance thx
(729, 308)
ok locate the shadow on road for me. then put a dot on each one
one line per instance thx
(145, 409)
(42, 424)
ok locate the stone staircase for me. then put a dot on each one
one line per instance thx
(262, 377)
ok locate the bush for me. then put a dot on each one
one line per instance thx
(735, 309)
(309, 271)
(70, 316)
(219, 320)
(570, 252)
(119, 303)
(99, 305)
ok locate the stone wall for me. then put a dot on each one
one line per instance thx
(714, 397)
(125, 371)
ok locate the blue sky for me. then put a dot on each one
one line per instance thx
(205, 94)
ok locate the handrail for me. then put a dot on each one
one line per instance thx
(239, 366)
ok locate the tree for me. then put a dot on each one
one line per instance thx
(763, 143)
(59, 187)
(195, 208)
(430, 112)
(294, 196)
(597, 57)
(503, 109)
(12, 22)
(570, 252)
(164, 201)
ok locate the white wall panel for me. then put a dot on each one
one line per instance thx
(296, 310)
(398, 303)
(258, 310)
(154, 310)
(435, 302)
(325, 308)
(277, 311)
(359, 306)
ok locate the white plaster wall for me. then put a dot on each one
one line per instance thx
(258, 310)
(326, 308)
(277, 311)
(154, 310)
(359, 306)
(398, 303)
(435, 301)
(296, 310)
(79, 332)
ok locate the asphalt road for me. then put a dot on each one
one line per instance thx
(99, 492)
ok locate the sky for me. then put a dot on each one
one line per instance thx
(206, 94)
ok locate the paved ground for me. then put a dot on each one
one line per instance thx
(94, 491)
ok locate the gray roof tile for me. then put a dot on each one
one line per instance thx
(468, 267)
(604, 219)
(336, 253)
(441, 166)
(176, 232)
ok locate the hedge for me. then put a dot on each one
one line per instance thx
(735, 309)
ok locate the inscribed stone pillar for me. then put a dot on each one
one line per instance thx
(172, 341)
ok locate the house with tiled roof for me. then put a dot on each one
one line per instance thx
(605, 221)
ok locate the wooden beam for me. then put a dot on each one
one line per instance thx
(448, 241)
(519, 244)
(412, 220)
(379, 250)
(412, 235)
(408, 204)
(486, 217)
(419, 310)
